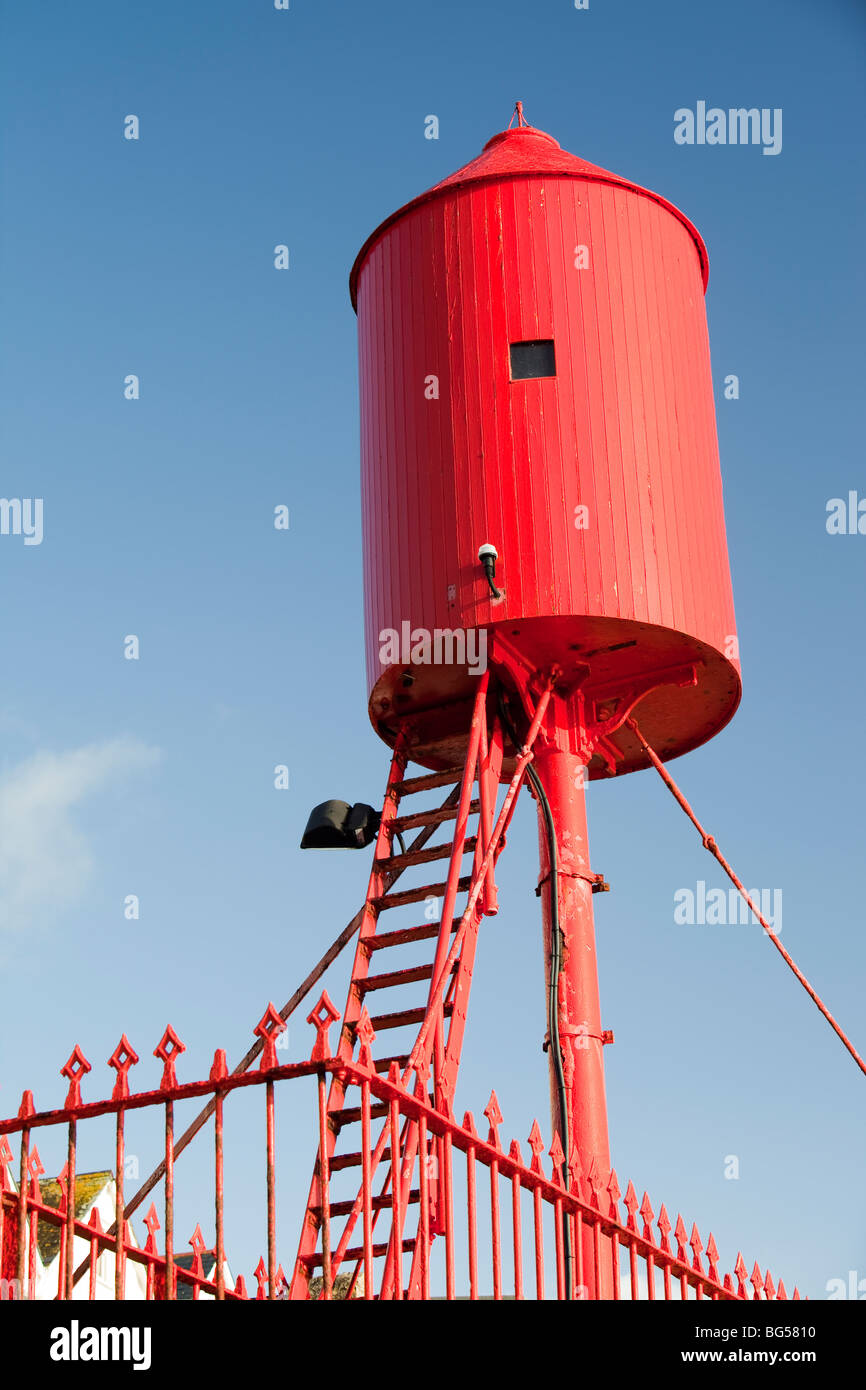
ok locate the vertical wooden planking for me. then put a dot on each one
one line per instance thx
(626, 427)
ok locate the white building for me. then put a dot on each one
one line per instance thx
(95, 1193)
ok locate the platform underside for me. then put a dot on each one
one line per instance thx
(603, 657)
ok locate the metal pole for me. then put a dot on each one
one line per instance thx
(566, 894)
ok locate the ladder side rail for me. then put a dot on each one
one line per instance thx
(458, 992)
(488, 788)
(454, 867)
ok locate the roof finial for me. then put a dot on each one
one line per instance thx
(518, 112)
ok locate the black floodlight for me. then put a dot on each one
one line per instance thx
(337, 825)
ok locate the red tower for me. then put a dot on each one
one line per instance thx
(535, 377)
(547, 600)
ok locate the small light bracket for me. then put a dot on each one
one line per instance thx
(488, 555)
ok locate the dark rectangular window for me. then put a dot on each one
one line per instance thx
(532, 359)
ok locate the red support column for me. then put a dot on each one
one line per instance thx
(580, 1034)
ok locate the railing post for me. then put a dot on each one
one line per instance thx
(325, 1189)
(217, 1074)
(26, 1108)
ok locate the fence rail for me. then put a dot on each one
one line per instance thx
(522, 1232)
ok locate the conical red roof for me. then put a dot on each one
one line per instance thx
(523, 150)
(520, 152)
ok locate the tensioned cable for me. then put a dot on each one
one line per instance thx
(710, 844)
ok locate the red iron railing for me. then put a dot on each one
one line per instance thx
(484, 1223)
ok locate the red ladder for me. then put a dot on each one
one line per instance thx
(449, 975)
(482, 768)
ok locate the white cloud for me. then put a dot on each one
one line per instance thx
(45, 859)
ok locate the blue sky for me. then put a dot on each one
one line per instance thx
(155, 777)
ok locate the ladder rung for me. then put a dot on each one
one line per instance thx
(397, 862)
(352, 1114)
(376, 1204)
(384, 1063)
(356, 1252)
(411, 785)
(405, 1016)
(352, 1160)
(407, 935)
(417, 895)
(398, 977)
(395, 977)
(442, 813)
